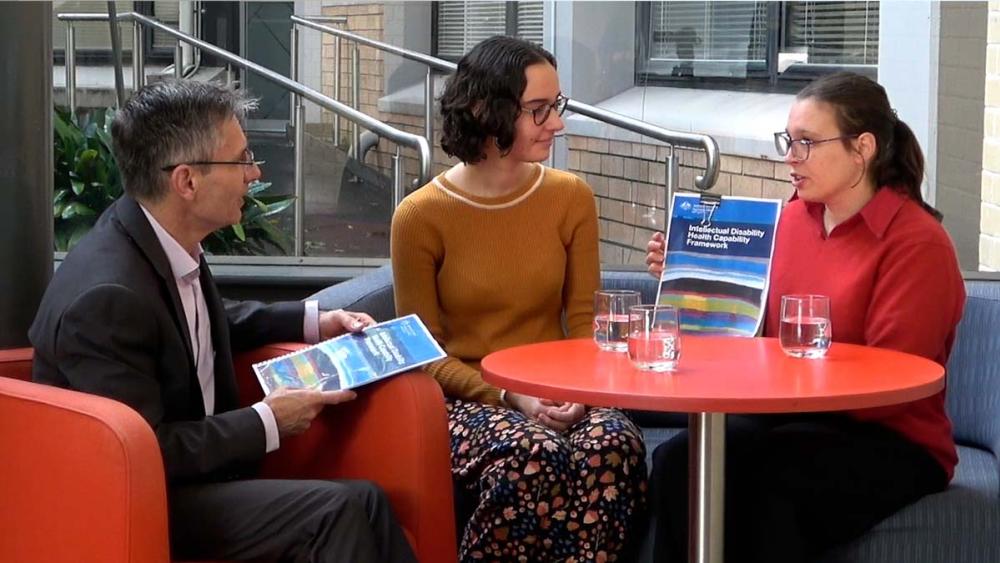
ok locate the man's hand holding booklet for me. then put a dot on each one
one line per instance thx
(354, 359)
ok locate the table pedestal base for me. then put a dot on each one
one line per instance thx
(706, 497)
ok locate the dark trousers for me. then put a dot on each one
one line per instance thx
(796, 485)
(286, 520)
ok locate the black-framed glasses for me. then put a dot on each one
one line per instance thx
(541, 113)
(248, 161)
(784, 143)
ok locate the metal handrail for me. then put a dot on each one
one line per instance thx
(416, 142)
(433, 62)
(672, 138)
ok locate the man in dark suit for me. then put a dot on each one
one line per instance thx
(134, 314)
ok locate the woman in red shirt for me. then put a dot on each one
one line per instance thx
(858, 231)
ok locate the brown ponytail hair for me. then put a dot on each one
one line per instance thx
(862, 106)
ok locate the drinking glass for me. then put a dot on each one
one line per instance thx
(805, 325)
(611, 317)
(654, 337)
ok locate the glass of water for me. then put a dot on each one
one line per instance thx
(805, 325)
(611, 317)
(654, 337)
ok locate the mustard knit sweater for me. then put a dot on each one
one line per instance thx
(486, 274)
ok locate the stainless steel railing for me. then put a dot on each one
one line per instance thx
(671, 138)
(297, 90)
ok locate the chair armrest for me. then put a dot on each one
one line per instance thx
(16, 363)
(395, 434)
(82, 478)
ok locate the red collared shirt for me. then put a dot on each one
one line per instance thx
(894, 282)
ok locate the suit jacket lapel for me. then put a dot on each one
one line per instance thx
(134, 221)
(226, 396)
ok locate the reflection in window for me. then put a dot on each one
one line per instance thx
(93, 39)
(709, 38)
(839, 33)
(462, 24)
(764, 41)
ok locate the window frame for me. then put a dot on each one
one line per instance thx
(510, 26)
(103, 56)
(790, 81)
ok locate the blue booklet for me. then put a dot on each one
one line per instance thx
(353, 359)
(718, 262)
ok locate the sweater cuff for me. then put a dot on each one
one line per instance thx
(493, 396)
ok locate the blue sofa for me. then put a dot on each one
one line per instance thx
(961, 524)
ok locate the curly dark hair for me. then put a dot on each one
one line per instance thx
(483, 98)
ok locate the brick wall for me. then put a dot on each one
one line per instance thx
(365, 20)
(989, 237)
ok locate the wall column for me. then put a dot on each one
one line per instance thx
(989, 234)
(25, 165)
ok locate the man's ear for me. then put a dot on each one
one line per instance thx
(183, 182)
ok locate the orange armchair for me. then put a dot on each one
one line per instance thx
(82, 478)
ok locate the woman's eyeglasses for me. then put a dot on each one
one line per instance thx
(248, 161)
(541, 113)
(784, 143)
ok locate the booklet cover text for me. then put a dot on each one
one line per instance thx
(718, 262)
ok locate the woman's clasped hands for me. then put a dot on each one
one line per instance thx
(556, 415)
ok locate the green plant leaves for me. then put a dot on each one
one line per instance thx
(258, 231)
(86, 179)
(76, 209)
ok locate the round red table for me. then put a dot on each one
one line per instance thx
(716, 375)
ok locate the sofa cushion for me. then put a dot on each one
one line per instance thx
(369, 293)
(958, 524)
(973, 397)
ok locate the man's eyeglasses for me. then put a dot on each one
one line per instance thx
(540, 114)
(800, 148)
(248, 161)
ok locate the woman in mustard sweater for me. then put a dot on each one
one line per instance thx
(500, 251)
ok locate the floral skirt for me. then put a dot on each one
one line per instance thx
(545, 495)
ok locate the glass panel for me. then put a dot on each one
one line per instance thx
(832, 32)
(708, 38)
(168, 13)
(463, 24)
(348, 203)
(268, 31)
(90, 36)
(529, 21)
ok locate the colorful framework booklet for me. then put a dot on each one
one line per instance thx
(353, 359)
(718, 262)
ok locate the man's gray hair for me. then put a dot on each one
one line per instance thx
(171, 122)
